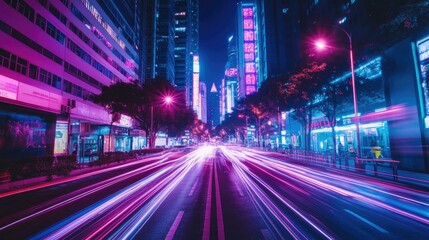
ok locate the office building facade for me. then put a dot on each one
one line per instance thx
(54, 55)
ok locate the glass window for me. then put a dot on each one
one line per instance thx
(34, 71)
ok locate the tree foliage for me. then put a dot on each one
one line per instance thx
(146, 102)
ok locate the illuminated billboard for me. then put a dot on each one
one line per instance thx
(196, 85)
(249, 49)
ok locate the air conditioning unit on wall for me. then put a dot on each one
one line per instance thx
(65, 109)
(71, 103)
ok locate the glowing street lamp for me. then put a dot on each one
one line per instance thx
(168, 100)
(321, 44)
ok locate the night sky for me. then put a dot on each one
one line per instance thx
(217, 22)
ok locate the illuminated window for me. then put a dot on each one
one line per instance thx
(247, 12)
(250, 68)
(249, 47)
(248, 23)
(181, 29)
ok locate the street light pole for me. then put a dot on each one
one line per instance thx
(354, 97)
(321, 45)
(151, 124)
(355, 106)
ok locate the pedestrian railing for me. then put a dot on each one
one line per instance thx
(338, 160)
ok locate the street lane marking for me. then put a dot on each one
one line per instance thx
(206, 231)
(367, 221)
(239, 189)
(219, 216)
(193, 187)
(267, 235)
(175, 225)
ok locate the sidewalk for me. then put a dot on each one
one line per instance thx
(383, 171)
(14, 185)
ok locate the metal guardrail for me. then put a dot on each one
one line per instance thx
(331, 159)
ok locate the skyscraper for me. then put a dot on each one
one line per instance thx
(160, 39)
(186, 45)
(231, 73)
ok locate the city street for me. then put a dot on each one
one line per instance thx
(216, 192)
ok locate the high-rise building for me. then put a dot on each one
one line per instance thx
(53, 56)
(186, 45)
(160, 39)
(231, 73)
(279, 34)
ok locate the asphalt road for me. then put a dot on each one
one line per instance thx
(216, 193)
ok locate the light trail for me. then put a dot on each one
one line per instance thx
(398, 200)
(124, 213)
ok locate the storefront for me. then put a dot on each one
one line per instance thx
(371, 135)
(25, 132)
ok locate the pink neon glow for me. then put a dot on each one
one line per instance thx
(249, 36)
(250, 89)
(231, 72)
(250, 79)
(250, 68)
(320, 44)
(249, 57)
(248, 23)
(247, 12)
(249, 47)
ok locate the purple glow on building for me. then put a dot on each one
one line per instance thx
(249, 35)
(249, 56)
(248, 12)
(248, 23)
(249, 47)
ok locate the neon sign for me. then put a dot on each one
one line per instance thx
(249, 49)
(231, 72)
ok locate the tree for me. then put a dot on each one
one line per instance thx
(138, 100)
(300, 92)
(332, 97)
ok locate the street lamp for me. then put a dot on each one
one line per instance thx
(322, 45)
(167, 101)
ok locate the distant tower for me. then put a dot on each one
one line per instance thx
(203, 102)
(213, 106)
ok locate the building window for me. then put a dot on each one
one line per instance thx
(67, 86)
(41, 22)
(4, 58)
(34, 72)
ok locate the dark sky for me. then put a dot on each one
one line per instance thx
(217, 22)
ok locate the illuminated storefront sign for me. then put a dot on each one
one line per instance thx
(61, 138)
(249, 49)
(8, 87)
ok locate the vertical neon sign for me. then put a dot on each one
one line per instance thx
(196, 85)
(250, 78)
